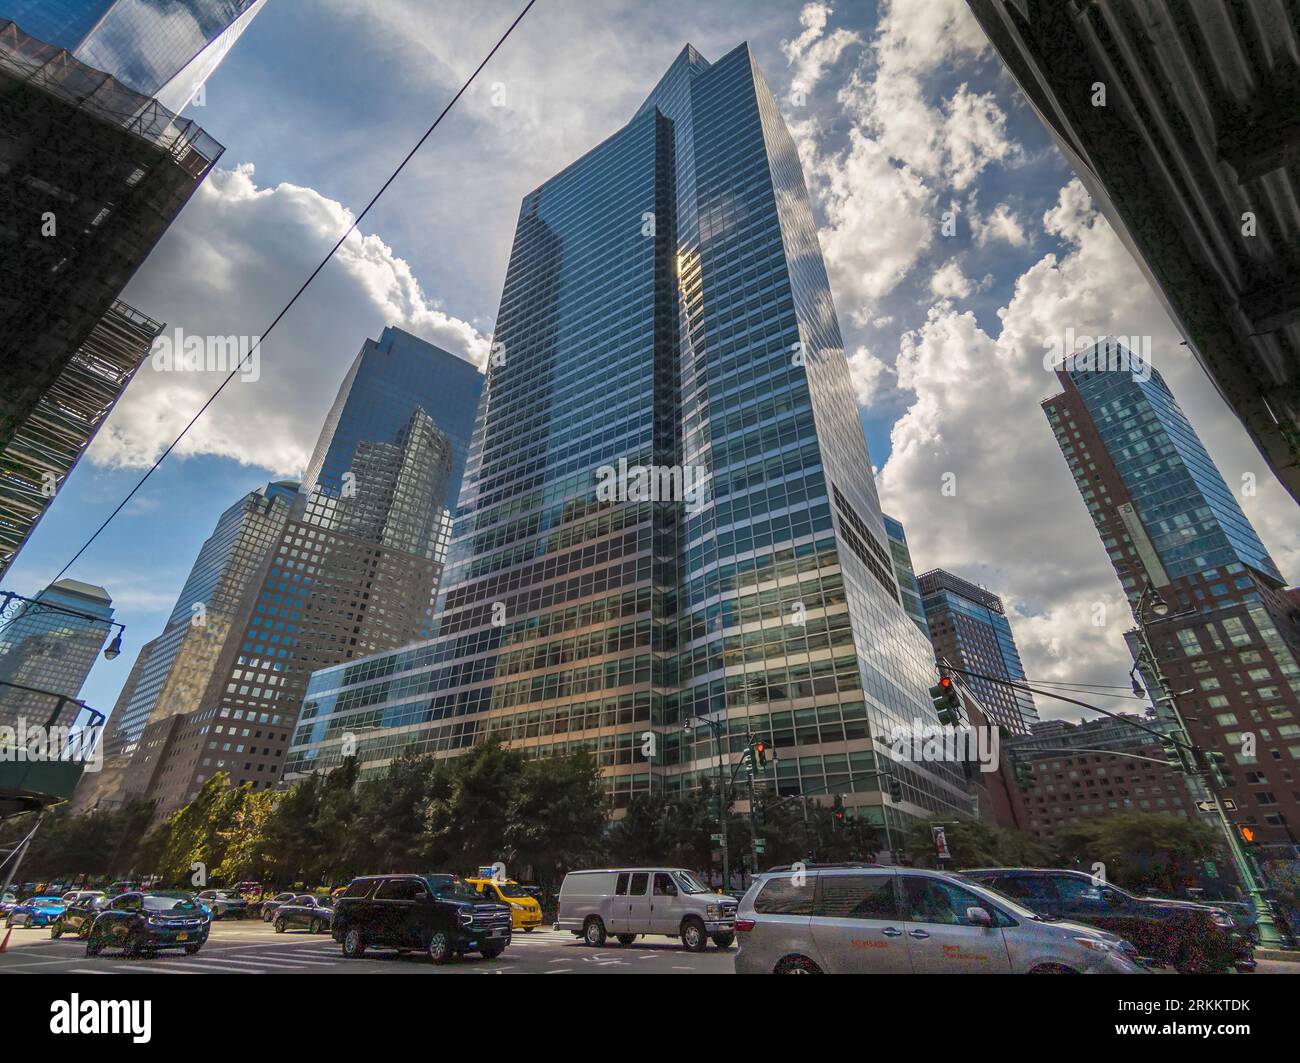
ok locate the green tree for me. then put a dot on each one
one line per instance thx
(973, 843)
(1139, 850)
(556, 818)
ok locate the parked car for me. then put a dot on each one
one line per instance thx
(1187, 935)
(871, 919)
(525, 910)
(79, 915)
(633, 901)
(40, 910)
(440, 915)
(306, 909)
(73, 896)
(125, 886)
(272, 903)
(8, 902)
(225, 903)
(142, 923)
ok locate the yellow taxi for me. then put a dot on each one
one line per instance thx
(525, 912)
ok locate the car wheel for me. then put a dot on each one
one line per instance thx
(315, 927)
(593, 932)
(56, 929)
(529, 929)
(694, 936)
(723, 941)
(797, 965)
(491, 952)
(279, 926)
(353, 947)
(191, 950)
(440, 950)
(626, 939)
(94, 944)
(266, 917)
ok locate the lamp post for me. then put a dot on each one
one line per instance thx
(717, 728)
(1151, 608)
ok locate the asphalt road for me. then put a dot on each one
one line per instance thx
(253, 947)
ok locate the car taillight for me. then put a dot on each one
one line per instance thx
(745, 924)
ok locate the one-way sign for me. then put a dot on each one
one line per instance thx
(1208, 806)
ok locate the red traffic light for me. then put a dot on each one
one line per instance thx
(946, 683)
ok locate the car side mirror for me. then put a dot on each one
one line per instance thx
(978, 916)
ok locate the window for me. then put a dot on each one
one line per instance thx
(640, 879)
(857, 897)
(620, 890)
(932, 900)
(664, 886)
(400, 889)
(1074, 890)
(782, 897)
(1033, 890)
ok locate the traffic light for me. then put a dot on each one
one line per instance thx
(837, 813)
(947, 702)
(1210, 762)
(747, 760)
(760, 753)
(1247, 835)
(1175, 753)
(895, 789)
(760, 815)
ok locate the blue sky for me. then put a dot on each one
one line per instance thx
(902, 113)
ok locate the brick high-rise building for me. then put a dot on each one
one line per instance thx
(1230, 644)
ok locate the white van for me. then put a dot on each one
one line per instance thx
(626, 902)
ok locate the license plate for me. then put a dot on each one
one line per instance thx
(182, 937)
(497, 934)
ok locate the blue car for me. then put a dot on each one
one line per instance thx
(36, 911)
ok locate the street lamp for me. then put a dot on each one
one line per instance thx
(715, 726)
(1151, 608)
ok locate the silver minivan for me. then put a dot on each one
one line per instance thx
(870, 919)
(625, 902)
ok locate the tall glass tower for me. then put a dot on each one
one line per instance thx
(666, 312)
(165, 49)
(45, 650)
(1229, 641)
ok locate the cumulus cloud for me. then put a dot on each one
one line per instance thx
(975, 422)
(868, 374)
(224, 269)
(1002, 224)
(949, 282)
(813, 51)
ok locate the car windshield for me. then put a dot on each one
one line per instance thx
(453, 890)
(511, 889)
(46, 900)
(170, 904)
(689, 883)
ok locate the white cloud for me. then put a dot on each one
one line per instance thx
(233, 258)
(868, 374)
(1002, 224)
(1016, 522)
(811, 53)
(949, 282)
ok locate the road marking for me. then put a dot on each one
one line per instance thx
(281, 961)
(239, 965)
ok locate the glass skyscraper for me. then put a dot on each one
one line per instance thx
(905, 572)
(164, 49)
(51, 651)
(1230, 642)
(969, 629)
(665, 305)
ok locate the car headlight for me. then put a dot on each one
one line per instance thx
(713, 911)
(1096, 944)
(466, 918)
(1221, 918)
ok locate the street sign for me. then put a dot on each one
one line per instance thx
(940, 843)
(716, 838)
(760, 845)
(1208, 806)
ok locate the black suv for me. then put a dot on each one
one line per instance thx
(441, 915)
(1185, 935)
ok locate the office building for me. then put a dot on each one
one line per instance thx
(47, 649)
(969, 629)
(668, 510)
(1180, 120)
(353, 570)
(164, 49)
(1230, 641)
(905, 572)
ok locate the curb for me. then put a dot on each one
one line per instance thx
(1282, 955)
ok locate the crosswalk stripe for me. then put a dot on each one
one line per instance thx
(278, 957)
(256, 964)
